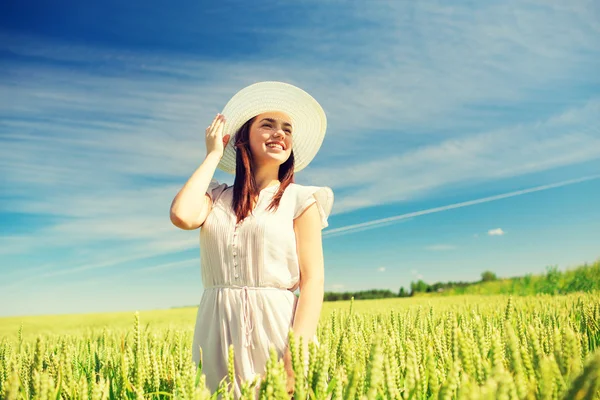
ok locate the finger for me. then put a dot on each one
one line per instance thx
(215, 129)
(219, 128)
(226, 139)
(220, 123)
(212, 125)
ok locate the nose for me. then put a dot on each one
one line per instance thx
(279, 132)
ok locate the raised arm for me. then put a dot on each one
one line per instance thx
(191, 204)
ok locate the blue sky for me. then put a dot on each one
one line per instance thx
(434, 112)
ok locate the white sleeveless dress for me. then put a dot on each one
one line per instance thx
(249, 273)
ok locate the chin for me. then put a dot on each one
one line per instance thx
(282, 157)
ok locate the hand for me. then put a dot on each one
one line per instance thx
(289, 369)
(215, 142)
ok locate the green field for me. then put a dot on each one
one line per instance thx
(462, 347)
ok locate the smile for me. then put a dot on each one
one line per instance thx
(275, 146)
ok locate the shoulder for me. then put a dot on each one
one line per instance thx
(305, 191)
(216, 190)
(308, 190)
(304, 196)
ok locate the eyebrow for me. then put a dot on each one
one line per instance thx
(273, 121)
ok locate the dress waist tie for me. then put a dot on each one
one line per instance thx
(247, 317)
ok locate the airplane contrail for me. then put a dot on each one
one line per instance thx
(389, 220)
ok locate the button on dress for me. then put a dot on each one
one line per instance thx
(249, 272)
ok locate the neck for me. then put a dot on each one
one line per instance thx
(266, 176)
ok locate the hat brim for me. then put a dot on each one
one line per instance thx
(308, 119)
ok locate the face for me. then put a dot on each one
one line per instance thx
(271, 138)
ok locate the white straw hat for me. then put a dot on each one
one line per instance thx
(308, 119)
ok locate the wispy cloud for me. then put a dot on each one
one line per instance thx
(430, 62)
(381, 269)
(92, 260)
(496, 232)
(569, 138)
(173, 265)
(344, 230)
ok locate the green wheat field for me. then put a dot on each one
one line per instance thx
(459, 347)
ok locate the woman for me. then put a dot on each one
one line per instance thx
(260, 239)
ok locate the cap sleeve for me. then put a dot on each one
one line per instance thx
(322, 195)
(215, 189)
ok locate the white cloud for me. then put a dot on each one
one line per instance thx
(381, 269)
(496, 232)
(415, 274)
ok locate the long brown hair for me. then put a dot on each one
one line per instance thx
(244, 186)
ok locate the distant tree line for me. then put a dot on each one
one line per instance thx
(362, 295)
(422, 287)
(583, 278)
(415, 287)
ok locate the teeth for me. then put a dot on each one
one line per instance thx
(275, 145)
